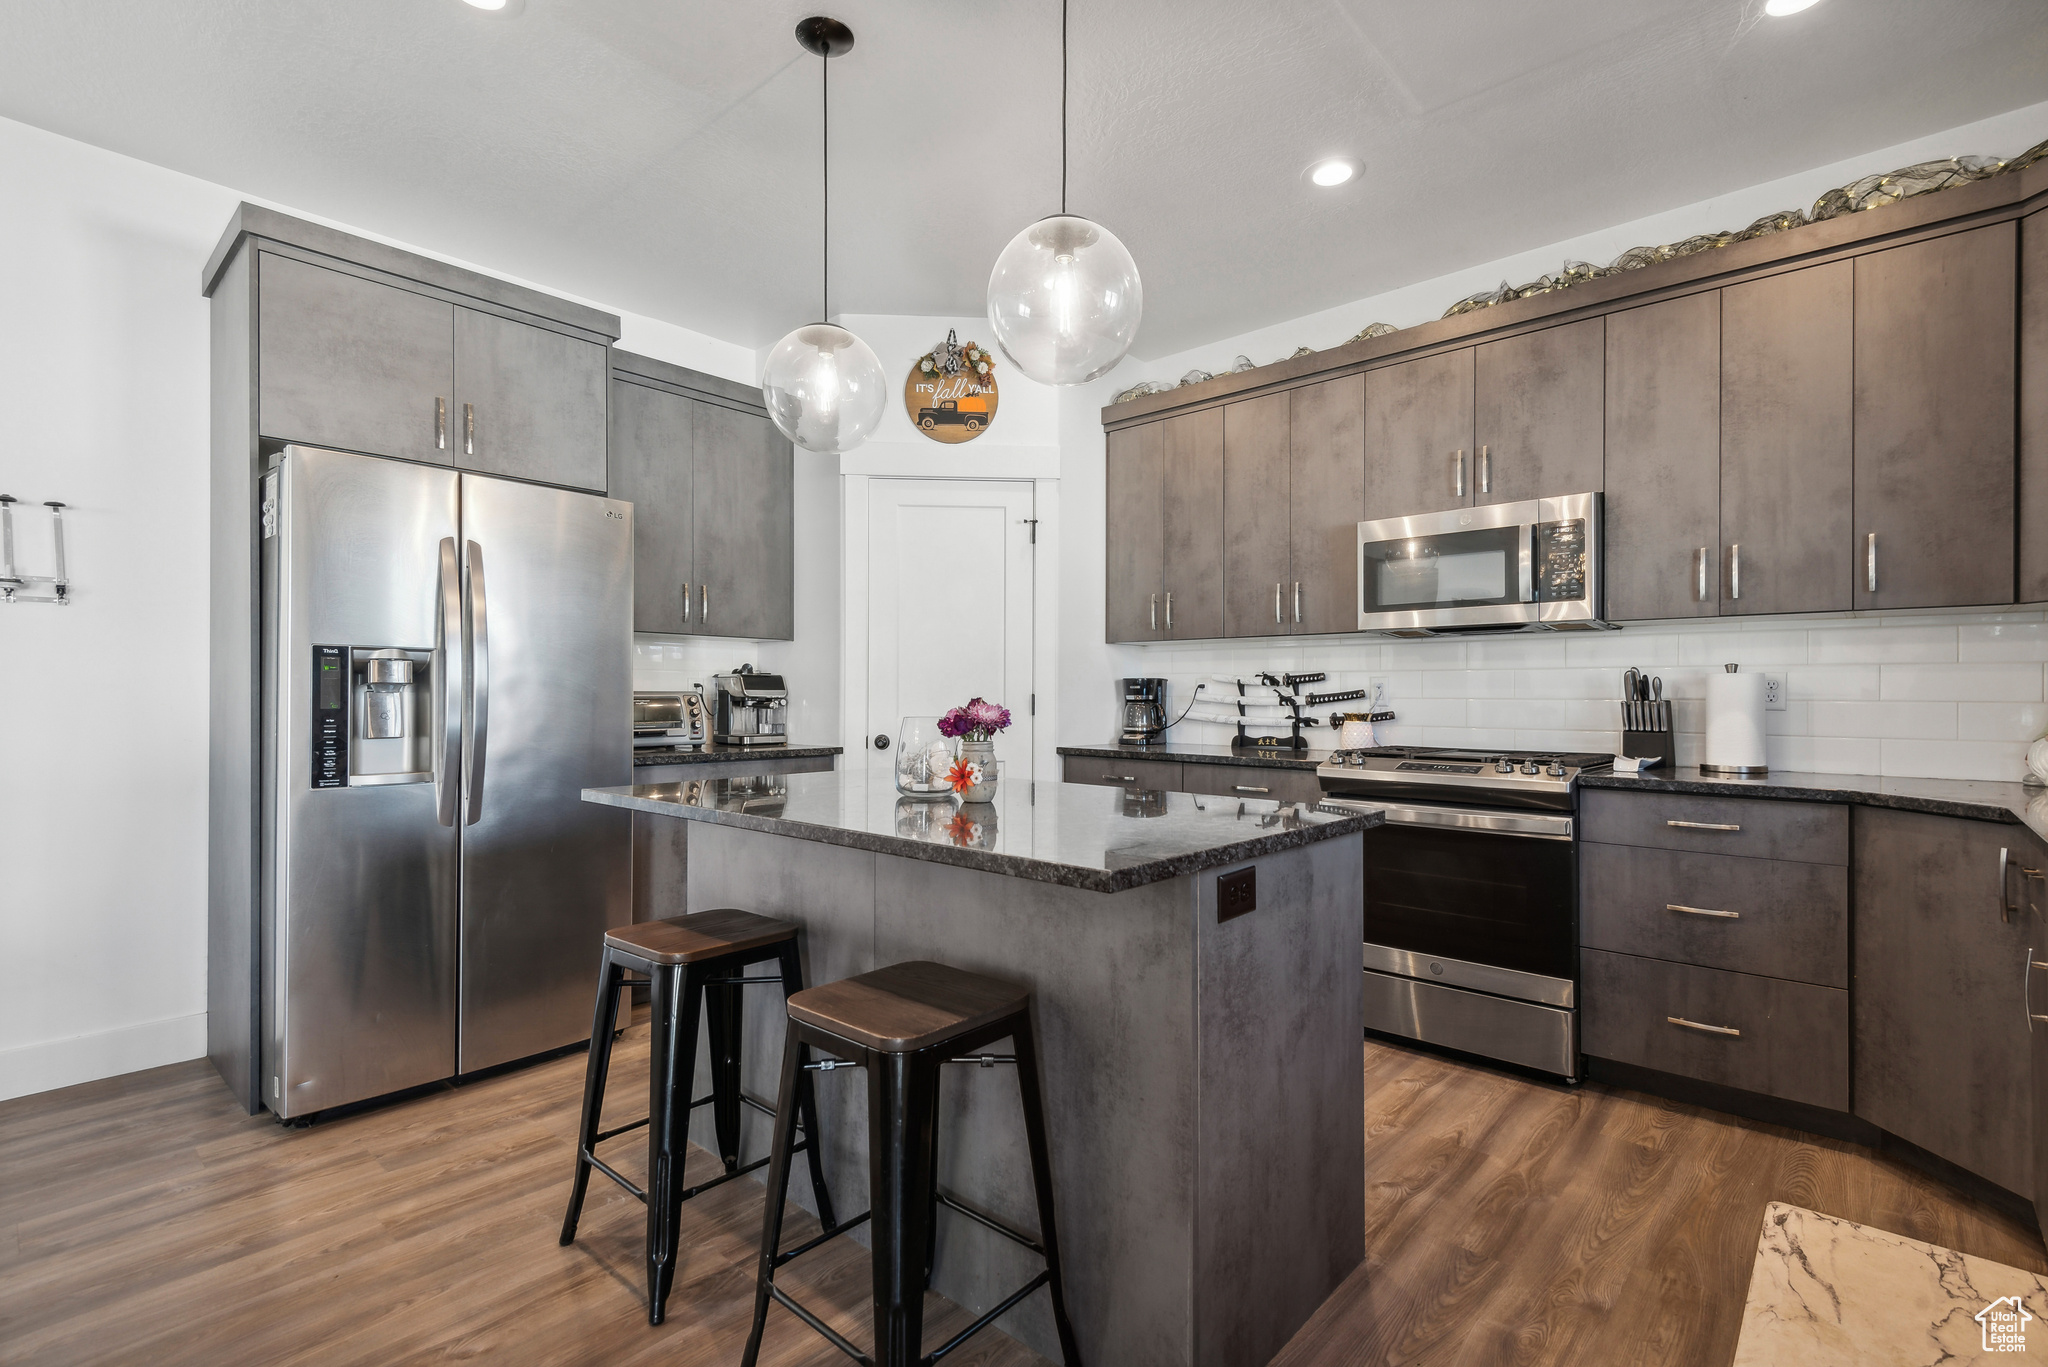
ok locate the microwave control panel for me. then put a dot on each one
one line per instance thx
(331, 692)
(1561, 561)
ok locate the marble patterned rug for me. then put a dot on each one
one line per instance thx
(1828, 1292)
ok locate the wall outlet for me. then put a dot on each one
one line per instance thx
(1237, 893)
(1774, 692)
(1379, 696)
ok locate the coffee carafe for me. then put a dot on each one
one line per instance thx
(1144, 712)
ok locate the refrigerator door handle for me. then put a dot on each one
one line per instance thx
(476, 637)
(448, 676)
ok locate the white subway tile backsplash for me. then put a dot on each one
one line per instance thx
(1901, 720)
(1844, 683)
(2003, 760)
(1964, 683)
(1949, 695)
(2006, 721)
(1880, 644)
(1750, 649)
(2002, 641)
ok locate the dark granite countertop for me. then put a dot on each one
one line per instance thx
(1203, 754)
(1078, 835)
(725, 754)
(1978, 800)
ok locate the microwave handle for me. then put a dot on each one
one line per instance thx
(1528, 566)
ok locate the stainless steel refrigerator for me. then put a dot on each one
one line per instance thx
(445, 666)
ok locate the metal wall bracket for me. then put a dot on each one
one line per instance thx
(12, 581)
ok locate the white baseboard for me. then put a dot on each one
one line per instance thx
(31, 1068)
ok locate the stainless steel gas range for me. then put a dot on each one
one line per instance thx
(1471, 897)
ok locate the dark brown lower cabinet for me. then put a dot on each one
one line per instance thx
(1160, 775)
(1940, 964)
(1743, 1030)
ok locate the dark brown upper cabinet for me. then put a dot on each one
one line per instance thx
(529, 402)
(1663, 506)
(1192, 544)
(1536, 413)
(1326, 499)
(1418, 436)
(1257, 557)
(1132, 559)
(1787, 441)
(2033, 382)
(713, 489)
(1934, 430)
(353, 363)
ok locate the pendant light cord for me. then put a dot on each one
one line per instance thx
(1063, 107)
(825, 243)
(824, 246)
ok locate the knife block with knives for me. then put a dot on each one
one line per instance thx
(1645, 720)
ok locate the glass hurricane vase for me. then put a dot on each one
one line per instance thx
(924, 758)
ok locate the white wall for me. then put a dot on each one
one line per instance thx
(1938, 695)
(103, 719)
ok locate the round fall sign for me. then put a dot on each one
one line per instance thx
(950, 394)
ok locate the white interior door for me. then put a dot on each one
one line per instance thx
(950, 605)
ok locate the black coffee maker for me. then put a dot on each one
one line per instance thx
(1144, 712)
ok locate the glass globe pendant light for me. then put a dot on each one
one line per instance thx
(1064, 298)
(824, 386)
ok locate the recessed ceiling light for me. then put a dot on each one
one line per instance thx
(1777, 9)
(498, 9)
(500, 4)
(1334, 171)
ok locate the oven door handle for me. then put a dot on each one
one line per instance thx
(1526, 825)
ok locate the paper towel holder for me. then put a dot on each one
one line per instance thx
(1735, 770)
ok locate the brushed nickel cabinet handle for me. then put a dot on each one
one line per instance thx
(1247, 788)
(440, 423)
(1870, 563)
(1702, 911)
(1699, 569)
(1297, 602)
(1702, 826)
(469, 429)
(1155, 612)
(704, 605)
(1735, 570)
(1710, 1029)
(1458, 473)
(1119, 778)
(1485, 470)
(2005, 907)
(1276, 603)
(686, 604)
(1169, 609)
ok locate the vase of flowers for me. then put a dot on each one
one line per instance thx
(924, 759)
(975, 725)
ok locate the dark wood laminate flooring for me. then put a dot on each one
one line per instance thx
(1509, 1221)
(143, 1219)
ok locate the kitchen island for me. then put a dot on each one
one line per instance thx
(1203, 1092)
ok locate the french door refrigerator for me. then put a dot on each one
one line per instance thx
(445, 665)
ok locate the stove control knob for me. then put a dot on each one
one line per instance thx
(1358, 758)
(1532, 768)
(1556, 771)
(1506, 766)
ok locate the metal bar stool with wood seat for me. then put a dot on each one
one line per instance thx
(688, 960)
(903, 1024)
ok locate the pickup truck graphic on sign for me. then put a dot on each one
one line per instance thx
(949, 411)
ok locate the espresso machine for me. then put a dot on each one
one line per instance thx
(750, 708)
(1144, 712)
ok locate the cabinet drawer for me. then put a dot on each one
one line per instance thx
(1793, 1041)
(1160, 774)
(1236, 780)
(1761, 828)
(1774, 917)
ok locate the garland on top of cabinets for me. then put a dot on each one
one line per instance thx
(1870, 192)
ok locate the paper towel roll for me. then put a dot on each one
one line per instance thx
(1735, 724)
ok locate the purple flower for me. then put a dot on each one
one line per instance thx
(955, 723)
(987, 717)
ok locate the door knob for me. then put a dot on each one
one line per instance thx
(881, 742)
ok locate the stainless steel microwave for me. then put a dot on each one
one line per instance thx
(1532, 566)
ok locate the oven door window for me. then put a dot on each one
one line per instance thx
(1489, 899)
(1483, 567)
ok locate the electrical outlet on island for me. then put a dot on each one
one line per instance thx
(1774, 692)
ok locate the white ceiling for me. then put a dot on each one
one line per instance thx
(662, 156)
